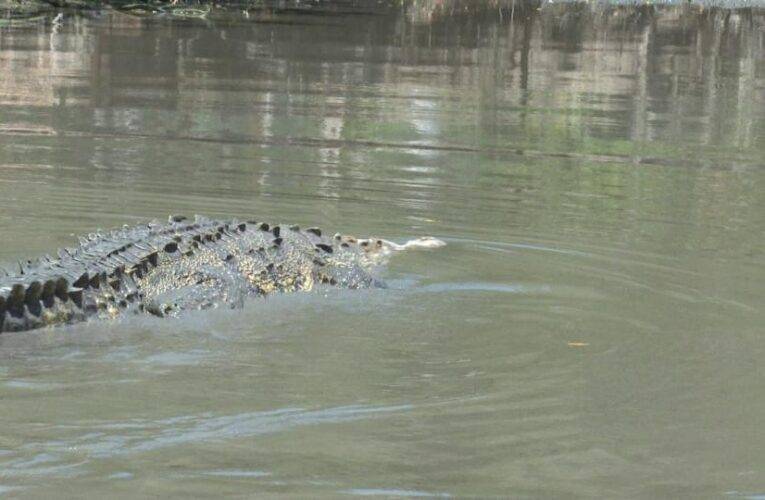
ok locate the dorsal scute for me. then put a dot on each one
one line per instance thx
(132, 264)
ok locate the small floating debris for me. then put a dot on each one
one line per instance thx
(578, 344)
(187, 12)
(139, 9)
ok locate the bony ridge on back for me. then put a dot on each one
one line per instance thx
(185, 264)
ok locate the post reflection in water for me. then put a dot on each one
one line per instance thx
(592, 328)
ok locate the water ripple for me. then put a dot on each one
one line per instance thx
(101, 440)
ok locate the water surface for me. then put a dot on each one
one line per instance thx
(593, 328)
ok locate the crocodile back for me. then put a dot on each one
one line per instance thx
(167, 268)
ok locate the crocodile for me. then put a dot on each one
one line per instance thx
(165, 269)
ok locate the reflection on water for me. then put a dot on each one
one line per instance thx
(593, 327)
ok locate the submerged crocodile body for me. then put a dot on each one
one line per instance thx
(184, 264)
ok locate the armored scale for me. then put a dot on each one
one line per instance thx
(184, 264)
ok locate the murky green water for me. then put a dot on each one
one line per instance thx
(594, 327)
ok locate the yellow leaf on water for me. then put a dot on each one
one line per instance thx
(578, 344)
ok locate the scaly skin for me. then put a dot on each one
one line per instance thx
(165, 269)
